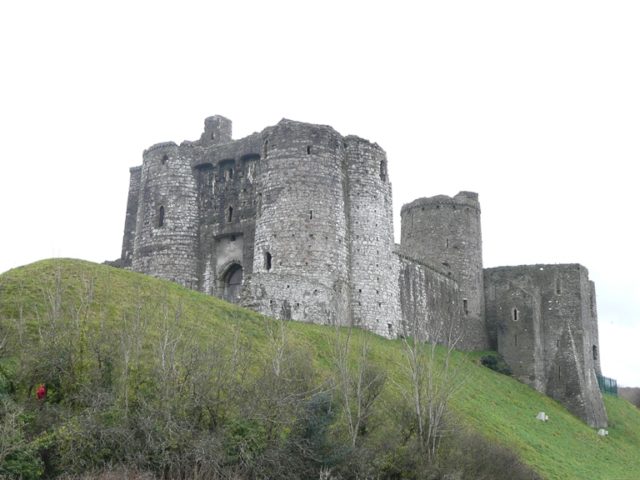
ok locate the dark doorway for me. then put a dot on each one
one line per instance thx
(233, 283)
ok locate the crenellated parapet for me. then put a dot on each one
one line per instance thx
(158, 146)
(462, 199)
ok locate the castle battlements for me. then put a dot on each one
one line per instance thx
(159, 146)
(465, 199)
(296, 222)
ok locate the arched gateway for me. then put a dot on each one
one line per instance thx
(233, 283)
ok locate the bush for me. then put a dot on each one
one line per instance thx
(495, 362)
(19, 458)
(473, 457)
(112, 474)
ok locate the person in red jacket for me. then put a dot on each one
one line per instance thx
(41, 392)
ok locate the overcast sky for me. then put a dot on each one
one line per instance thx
(534, 105)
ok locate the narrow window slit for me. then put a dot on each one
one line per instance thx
(161, 217)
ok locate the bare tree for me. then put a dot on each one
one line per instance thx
(131, 343)
(170, 337)
(286, 382)
(359, 386)
(433, 379)
(277, 335)
(11, 438)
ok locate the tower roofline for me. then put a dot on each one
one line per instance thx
(469, 199)
(539, 267)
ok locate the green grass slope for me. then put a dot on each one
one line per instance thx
(102, 299)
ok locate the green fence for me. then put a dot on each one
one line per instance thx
(608, 385)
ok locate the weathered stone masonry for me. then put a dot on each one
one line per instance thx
(542, 319)
(296, 222)
(445, 231)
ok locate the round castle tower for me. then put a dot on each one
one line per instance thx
(445, 232)
(166, 237)
(300, 268)
(374, 268)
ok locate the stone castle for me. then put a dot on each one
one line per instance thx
(295, 222)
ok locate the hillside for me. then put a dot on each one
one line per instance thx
(100, 338)
(632, 394)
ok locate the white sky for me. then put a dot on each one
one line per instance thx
(535, 105)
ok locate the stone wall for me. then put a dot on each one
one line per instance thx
(126, 256)
(514, 323)
(430, 302)
(542, 319)
(227, 182)
(445, 231)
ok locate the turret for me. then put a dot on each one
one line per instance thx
(166, 237)
(217, 130)
(373, 267)
(445, 232)
(300, 256)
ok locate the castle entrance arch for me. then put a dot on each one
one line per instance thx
(232, 283)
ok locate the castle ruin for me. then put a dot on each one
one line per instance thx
(295, 222)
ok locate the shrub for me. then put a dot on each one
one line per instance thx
(19, 458)
(495, 362)
(473, 457)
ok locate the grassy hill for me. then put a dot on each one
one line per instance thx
(97, 335)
